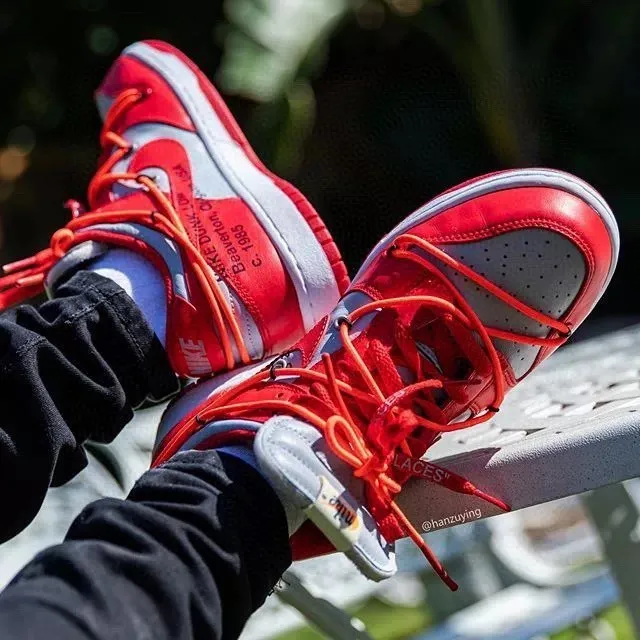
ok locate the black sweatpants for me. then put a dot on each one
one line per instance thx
(199, 542)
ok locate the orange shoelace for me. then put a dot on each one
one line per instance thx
(369, 454)
(25, 278)
(370, 450)
(364, 450)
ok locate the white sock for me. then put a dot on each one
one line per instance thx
(141, 280)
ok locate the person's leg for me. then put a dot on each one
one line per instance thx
(70, 369)
(193, 551)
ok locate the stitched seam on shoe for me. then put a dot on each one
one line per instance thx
(219, 160)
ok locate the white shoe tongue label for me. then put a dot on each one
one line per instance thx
(335, 516)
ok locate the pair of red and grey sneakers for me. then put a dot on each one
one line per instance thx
(454, 307)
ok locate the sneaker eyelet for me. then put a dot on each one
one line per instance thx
(280, 362)
(130, 150)
(340, 320)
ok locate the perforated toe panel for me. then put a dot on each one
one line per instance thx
(541, 268)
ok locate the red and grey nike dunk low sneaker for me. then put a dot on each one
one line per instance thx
(454, 307)
(249, 266)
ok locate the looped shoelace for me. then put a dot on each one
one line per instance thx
(371, 457)
(25, 278)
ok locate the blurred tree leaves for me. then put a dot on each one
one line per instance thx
(498, 48)
(271, 51)
(271, 43)
(370, 106)
(405, 97)
(280, 127)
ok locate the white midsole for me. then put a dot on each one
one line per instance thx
(199, 394)
(299, 249)
(508, 180)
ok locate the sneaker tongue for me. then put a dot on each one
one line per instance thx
(428, 353)
(440, 351)
(127, 196)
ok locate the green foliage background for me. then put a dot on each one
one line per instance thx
(369, 106)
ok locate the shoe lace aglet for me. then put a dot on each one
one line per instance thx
(490, 499)
(19, 265)
(31, 281)
(436, 564)
(75, 208)
(448, 580)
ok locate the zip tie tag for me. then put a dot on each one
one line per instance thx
(335, 516)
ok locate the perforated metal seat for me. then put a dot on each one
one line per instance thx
(571, 427)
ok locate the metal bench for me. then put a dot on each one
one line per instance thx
(571, 427)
